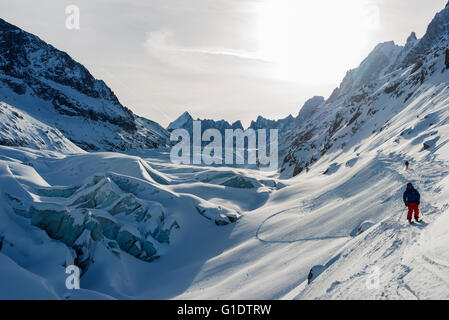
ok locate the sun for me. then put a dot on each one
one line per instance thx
(313, 41)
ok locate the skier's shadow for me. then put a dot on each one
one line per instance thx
(421, 225)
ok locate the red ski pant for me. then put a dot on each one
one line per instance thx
(413, 207)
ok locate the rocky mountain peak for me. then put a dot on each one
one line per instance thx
(437, 34)
(412, 38)
(55, 89)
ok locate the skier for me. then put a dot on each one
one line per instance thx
(406, 165)
(412, 200)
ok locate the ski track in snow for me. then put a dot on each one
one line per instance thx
(145, 228)
(269, 252)
(300, 214)
(413, 267)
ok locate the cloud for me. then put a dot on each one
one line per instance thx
(160, 45)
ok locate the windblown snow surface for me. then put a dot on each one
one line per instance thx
(142, 227)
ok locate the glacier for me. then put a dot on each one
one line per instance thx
(142, 227)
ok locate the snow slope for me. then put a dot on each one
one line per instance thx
(392, 80)
(199, 254)
(19, 129)
(285, 229)
(412, 260)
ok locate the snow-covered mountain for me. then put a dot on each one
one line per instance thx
(185, 121)
(49, 86)
(390, 80)
(143, 227)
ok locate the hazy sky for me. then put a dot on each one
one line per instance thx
(221, 59)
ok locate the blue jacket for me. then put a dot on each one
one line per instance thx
(411, 196)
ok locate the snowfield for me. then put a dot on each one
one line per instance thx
(330, 224)
(278, 231)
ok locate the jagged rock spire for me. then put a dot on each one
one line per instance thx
(412, 37)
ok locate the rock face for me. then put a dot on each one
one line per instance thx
(314, 273)
(282, 124)
(446, 61)
(437, 34)
(58, 91)
(185, 121)
(378, 62)
(308, 109)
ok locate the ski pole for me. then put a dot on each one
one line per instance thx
(400, 217)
